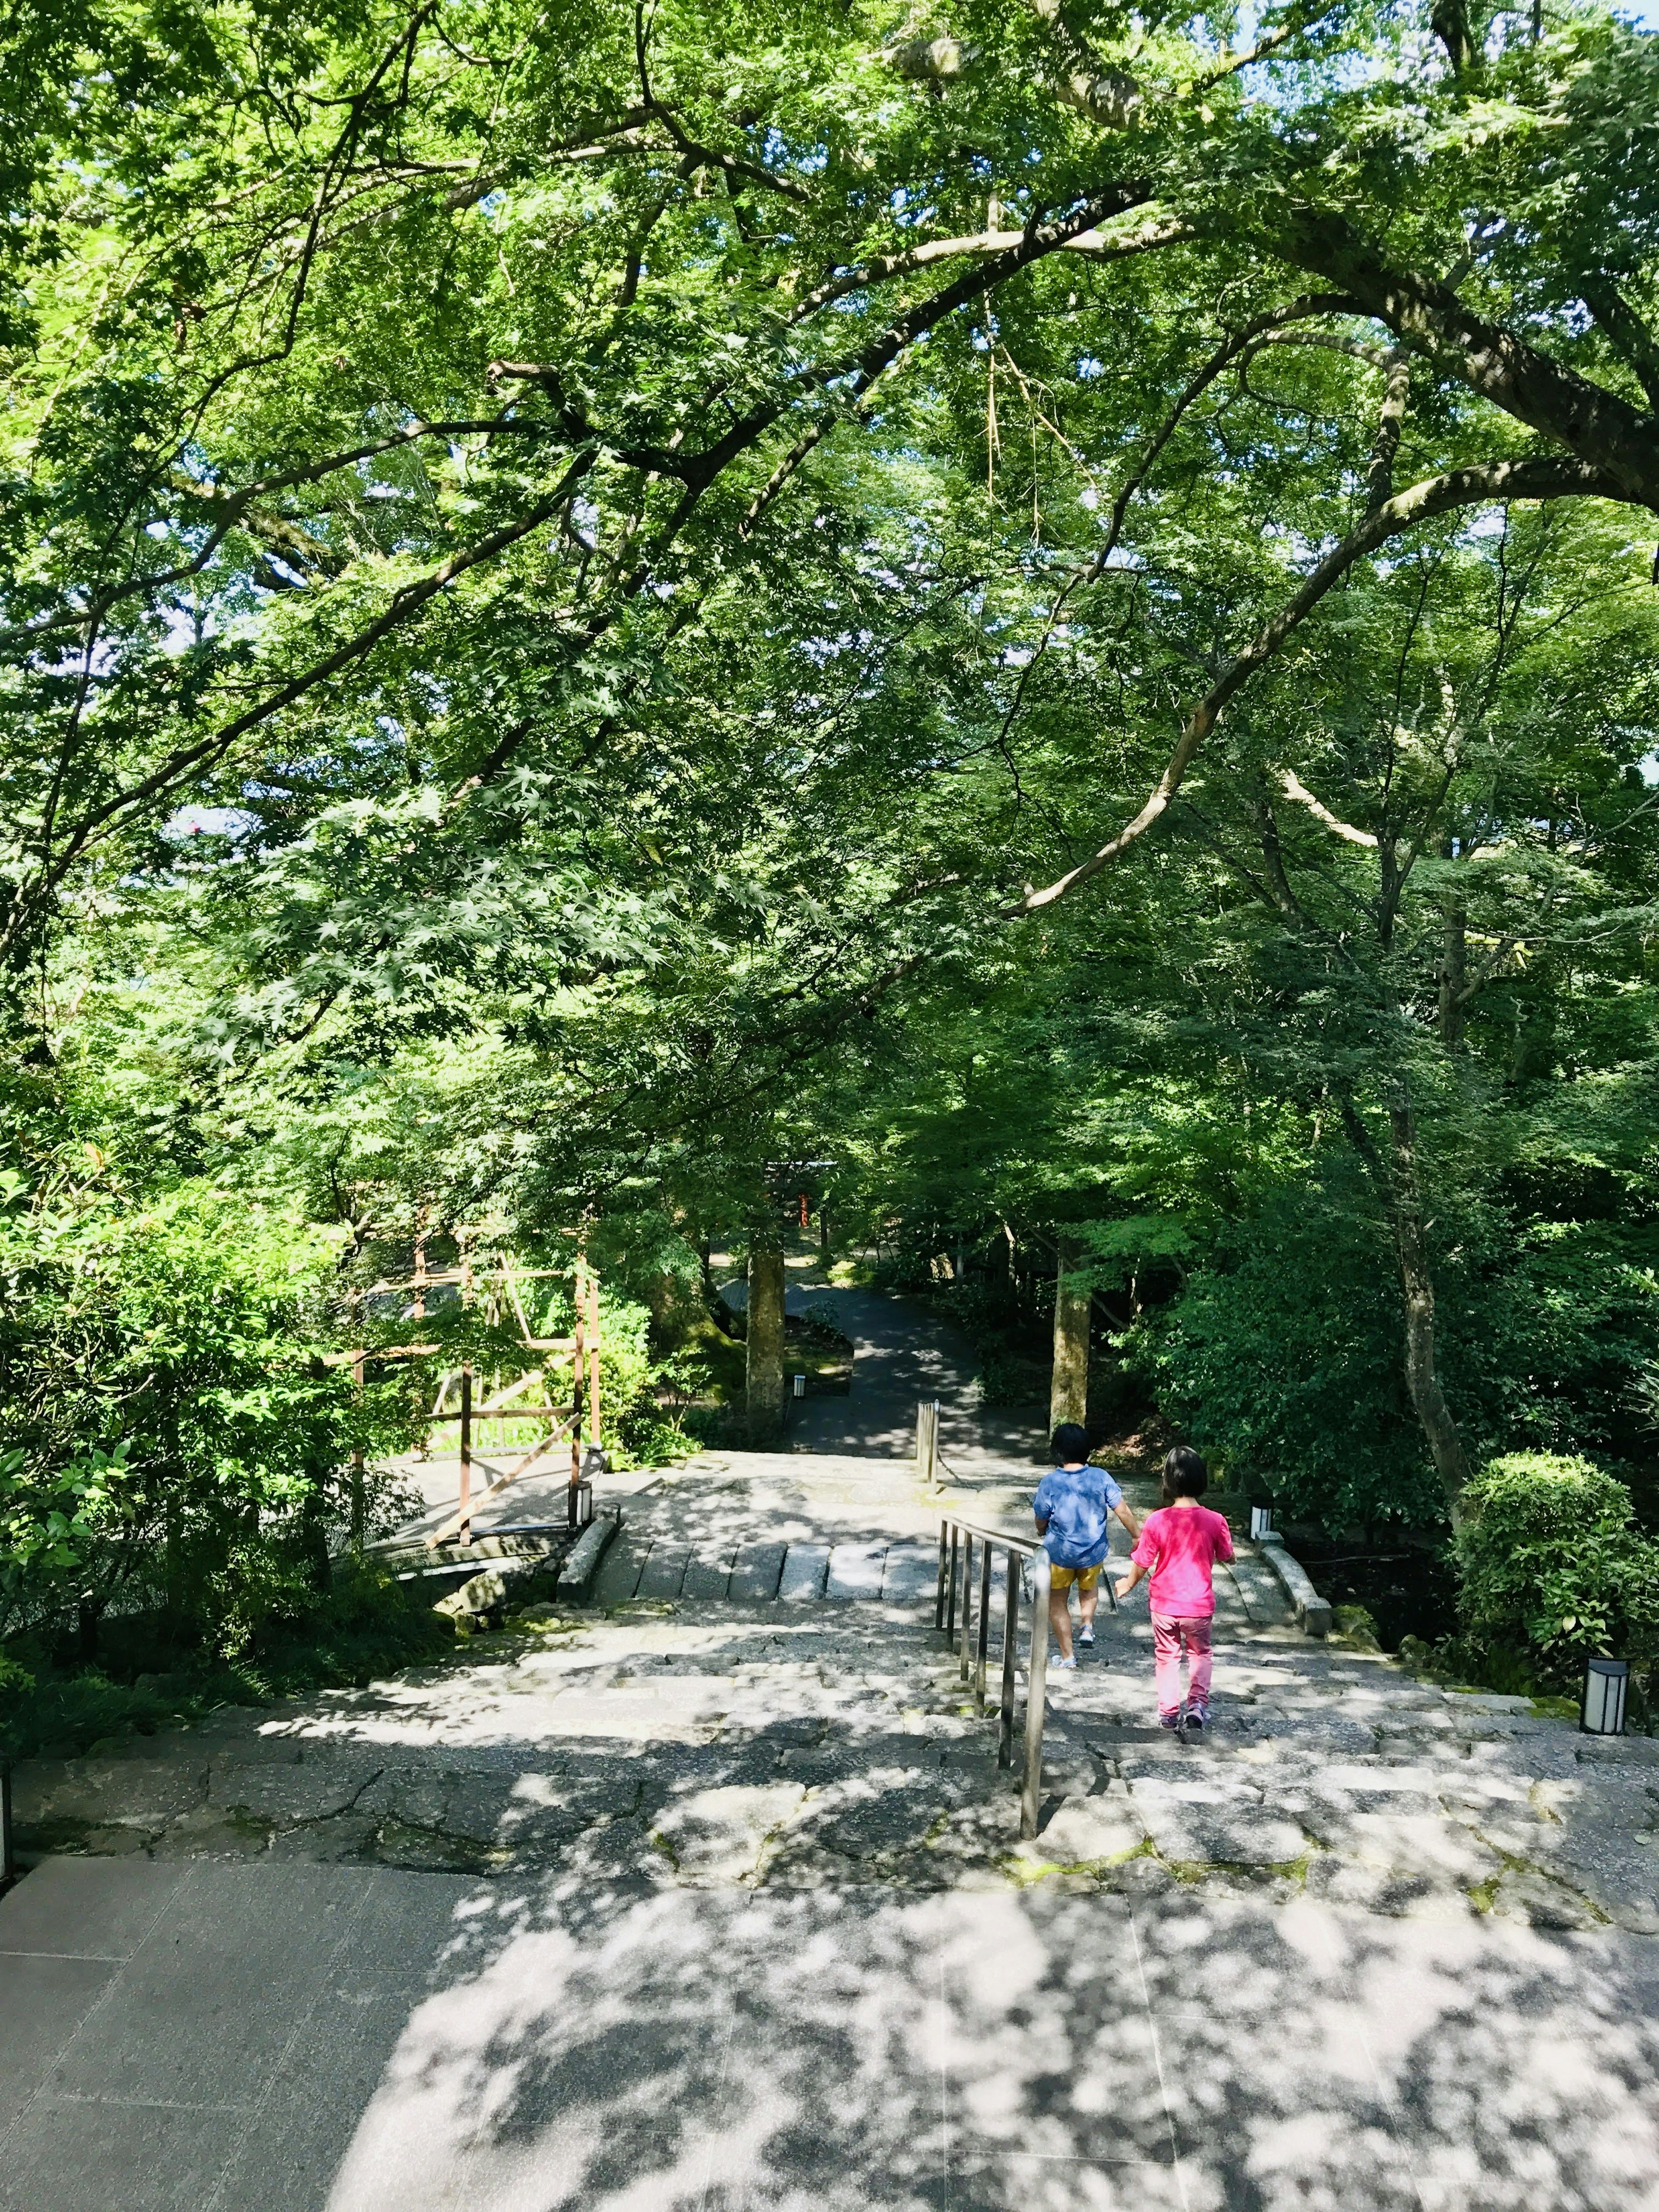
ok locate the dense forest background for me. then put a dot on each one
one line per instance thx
(1051, 606)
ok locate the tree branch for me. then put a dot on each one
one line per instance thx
(95, 825)
(1602, 430)
(1293, 788)
(1628, 334)
(1468, 487)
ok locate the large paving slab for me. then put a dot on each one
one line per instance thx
(261, 2038)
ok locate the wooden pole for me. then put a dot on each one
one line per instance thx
(466, 1513)
(983, 1647)
(593, 1357)
(576, 1370)
(359, 1506)
(1010, 1641)
(1030, 1795)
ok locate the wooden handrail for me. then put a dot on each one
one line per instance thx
(1026, 1546)
(456, 1522)
(507, 1414)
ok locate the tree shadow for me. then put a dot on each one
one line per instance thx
(588, 2045)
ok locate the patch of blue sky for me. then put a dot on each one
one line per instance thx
(188, 822)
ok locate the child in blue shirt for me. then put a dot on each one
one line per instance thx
(1073, 1506)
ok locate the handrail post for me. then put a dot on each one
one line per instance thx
(939, 1599)
(1010, 1640)
(963, 1647)
(950, 1601)
(983, 1645)
(1037, 1682)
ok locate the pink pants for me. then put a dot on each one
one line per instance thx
(1169, 1638)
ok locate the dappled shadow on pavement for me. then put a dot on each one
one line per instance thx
(714, 2049)
(205, 2037)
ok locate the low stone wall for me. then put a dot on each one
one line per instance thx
(1313, 1613)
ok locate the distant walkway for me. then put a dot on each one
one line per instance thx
(902, 1353)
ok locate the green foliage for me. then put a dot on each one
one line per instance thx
(175, 1434)
(1283, 1355)
(539, 695)
(1282, 1360)
(366, 1624)
(1552, 1569)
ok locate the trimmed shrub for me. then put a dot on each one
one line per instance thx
(1553, 1568)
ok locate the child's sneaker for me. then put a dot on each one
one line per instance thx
(1085, 1637)
(1170, 1721)
(1197, 1719)
(1053, 1663)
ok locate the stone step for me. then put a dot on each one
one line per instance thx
(890, 1573)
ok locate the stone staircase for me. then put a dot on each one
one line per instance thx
(642, 1566)
(756, 1695)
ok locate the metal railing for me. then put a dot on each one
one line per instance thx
(969, 1630)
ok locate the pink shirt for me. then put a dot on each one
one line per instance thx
(1181, 1544)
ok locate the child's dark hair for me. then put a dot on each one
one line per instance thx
(1071, 1443)
(1185, 1474)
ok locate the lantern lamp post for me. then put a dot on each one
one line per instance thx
(1602, 1709)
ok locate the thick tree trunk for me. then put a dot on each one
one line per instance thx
(1401, 1194)
(763, 1344)
(1428, 1399)
(1068, 1392)
(1454, 975)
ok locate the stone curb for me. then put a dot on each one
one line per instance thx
(1313, 1613)
(508, 1544)
(577, 1573)
(573, 1578)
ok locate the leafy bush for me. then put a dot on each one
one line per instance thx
(367, 1623)
(821, 1322)
(1553, 1569)
(1283, 1359)
(177, 1437)
(1284, 1356)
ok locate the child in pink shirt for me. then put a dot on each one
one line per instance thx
(1180, 1545)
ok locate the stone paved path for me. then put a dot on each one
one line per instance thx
(903, 1351)
(200, 2036)
(758, 1695)
(713, 1900)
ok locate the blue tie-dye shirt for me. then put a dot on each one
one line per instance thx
(1076, 1501)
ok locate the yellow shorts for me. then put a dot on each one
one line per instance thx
(1063, 1578)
